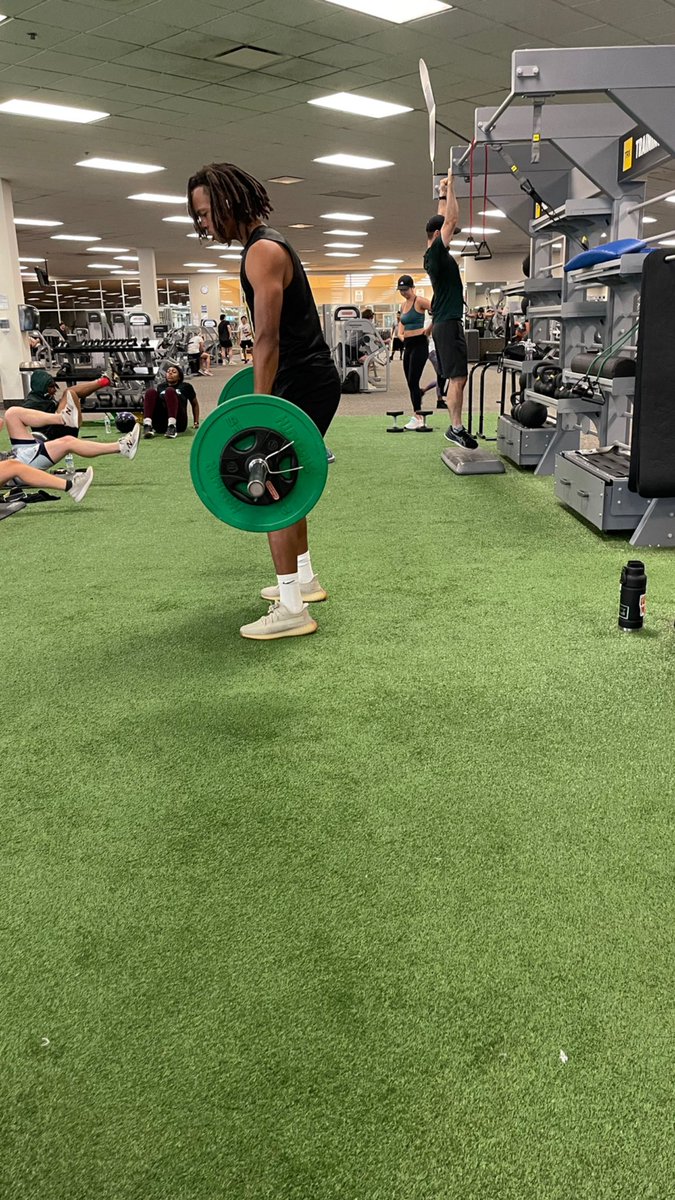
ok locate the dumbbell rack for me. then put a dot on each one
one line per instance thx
(129, 362)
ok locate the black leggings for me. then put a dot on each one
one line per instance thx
(415, 355)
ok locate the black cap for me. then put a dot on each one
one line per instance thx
(435, 223)
(405, 281)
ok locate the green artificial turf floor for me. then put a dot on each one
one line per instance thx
(314, 919)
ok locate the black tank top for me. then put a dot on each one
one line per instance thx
(301, 342)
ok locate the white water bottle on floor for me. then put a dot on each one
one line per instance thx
(70, 466)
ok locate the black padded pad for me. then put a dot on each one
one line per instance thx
(652, 451)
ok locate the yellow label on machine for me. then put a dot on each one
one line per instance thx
(628, 154)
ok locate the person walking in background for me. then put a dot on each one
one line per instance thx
(224, 339)
(415, 344)
(245, 338)
(396, 342)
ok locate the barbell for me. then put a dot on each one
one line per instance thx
(258, 462)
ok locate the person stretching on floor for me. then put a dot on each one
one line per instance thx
(37, 452)
(12, 471)
(42, 398)
(291, 359)
(176, 395)
(448, 309)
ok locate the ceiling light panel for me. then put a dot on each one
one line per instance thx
(361, 106)
(157, 198)
(118, 164)
(344, 245)
(34, 221)
(287, 179)
(52, 112)
(399, 12)
(180, 221)
(347, 232)
(339, 216)
(354, 162)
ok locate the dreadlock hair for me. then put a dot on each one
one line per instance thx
(233, 193)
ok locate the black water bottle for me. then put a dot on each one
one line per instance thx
(633, 599)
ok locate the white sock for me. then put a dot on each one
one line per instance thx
(289, 592)
(147, 421)
(172, 420)
(305, 571)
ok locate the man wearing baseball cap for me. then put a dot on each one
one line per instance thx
(447, 308)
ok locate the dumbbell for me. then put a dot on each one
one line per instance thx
(424, 413)
(395, 428)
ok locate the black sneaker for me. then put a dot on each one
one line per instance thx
(460, 438)
(171, 432)
(148, 431)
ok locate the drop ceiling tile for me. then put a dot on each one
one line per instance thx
(138, 30)
(265, 34)
(153, 81)
(599, 35)
(11, 53)
(299, 70)
(264, 103)
(180, 14)
(299, 12)
(342, 56)
(16, 33)
(91, 46)
(343, 26)
(547, 16)
(63, 14)
(174, 65)
(194, 45)
(219, 95)
(351, 81)
(500, 41)
(258, 82)
(653, 20)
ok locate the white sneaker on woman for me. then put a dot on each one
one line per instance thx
(415, 422)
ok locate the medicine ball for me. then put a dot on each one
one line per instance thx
(125, 422)
(526, 267)
(531, 414)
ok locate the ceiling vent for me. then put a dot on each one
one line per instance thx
(251, 58)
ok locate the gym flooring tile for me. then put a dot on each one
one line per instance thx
(380, 914)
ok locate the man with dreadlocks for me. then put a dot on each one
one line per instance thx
(290, 359)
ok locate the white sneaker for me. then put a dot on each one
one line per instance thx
(278, 623)
(129, 445)
(81, 484)
(69, 413)
(415, 422)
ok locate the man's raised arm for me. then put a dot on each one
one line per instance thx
(448, 208)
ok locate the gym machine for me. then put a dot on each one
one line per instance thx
(356, 346)
(593, 295)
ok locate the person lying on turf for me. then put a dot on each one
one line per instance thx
(42, 398)
(36, 452)
(291, 360)
(12, 471)
(169, 397)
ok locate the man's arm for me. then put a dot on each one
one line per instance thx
(194, 405)
(266, 267)
(448, 208)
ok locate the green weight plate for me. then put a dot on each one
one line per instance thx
(239, 384)
(230, 421)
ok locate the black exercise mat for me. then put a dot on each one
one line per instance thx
(652, 452)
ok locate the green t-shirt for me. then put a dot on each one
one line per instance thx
(440, 266)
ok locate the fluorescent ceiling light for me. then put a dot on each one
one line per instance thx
(344, 245)
(493, 212)
(345, 217)
(74, 237)
(99, 266)
(300, 225)
(24, 258)
(667, 242)
(126, 258)
(670, 199)
(338, 254)
(180, 281)
(361, 106)
(118, 164)
(209, 271)
(51, 112)
(479, 229)
(181, 221)
(393, 261)
(194, 235)
(193, 264)
(33, 221)
(288, 179)
(347, 232)
(81, 289)
(235, 257)
(106, 249)
(649, 220)
(356, 161)
(397, 11)
(157, 198)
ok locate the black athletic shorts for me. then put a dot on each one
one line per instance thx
(316, 392)
(450, 345)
